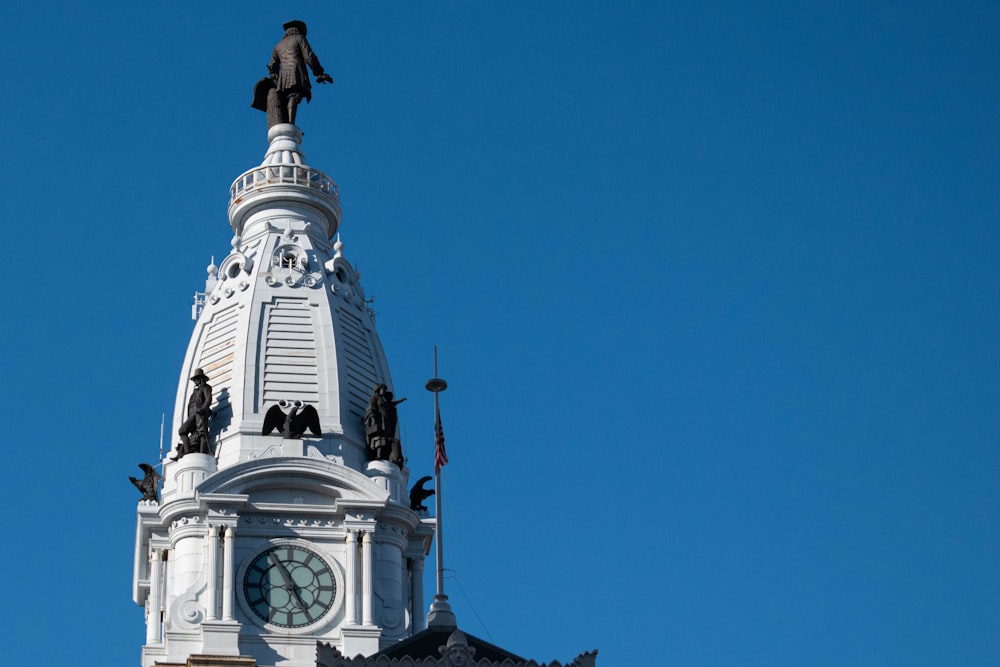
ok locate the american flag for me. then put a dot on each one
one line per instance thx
(440, 455)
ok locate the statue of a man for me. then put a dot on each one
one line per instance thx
(380, 426)
(288, 84)
(194, 430)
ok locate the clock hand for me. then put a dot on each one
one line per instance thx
(287, 578)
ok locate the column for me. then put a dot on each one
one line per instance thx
(228, 559)
(417, 593)
(211, 574)
(367, 579)
(350, 580)
(155, 584)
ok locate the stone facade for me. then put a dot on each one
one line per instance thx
(267, 544)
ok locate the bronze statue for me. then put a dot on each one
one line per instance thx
(380, 427)
(293, 424)
(194, 430)
(418, 494)
(148, 484)
(288, 82)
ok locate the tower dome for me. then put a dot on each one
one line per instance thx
(287, 322)
(284, 518)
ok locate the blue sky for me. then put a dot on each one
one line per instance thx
(715, 288)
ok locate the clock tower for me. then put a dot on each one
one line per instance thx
(283, 519)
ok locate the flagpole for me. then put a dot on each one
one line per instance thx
(440, 612)
(439, 554)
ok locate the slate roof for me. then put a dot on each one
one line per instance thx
(424, 649)
(425, 644)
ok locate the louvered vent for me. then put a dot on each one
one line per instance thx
(289, 353)
(358, 362)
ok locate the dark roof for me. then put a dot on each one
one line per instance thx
(425, 644)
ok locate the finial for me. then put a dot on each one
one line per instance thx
(440, 614)
(210, 282)
(338, 247)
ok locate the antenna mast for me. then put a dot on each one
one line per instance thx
(159, 461)
(163, 416)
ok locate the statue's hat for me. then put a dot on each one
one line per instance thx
(199, 373)
(296, 24)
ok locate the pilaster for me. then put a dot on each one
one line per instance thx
(154, 609)
(367, 584)
(211, 575)
(417, 593)
(228, 573)
(351, 578)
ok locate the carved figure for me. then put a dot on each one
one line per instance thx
(288, 82)
(380, 426)
(456, 652)
(148, 484)
(194, 430)
(293, 424)
(418, 494)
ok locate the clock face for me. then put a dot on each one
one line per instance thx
(290, 586)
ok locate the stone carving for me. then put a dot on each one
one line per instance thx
(380, 427)
(299, 419)
(418, 494)
(287, 82)
(148, 484)
(194, 430)
(456, 652)
(186, 612)
(290, 265)
(187, 521)
(301, 521)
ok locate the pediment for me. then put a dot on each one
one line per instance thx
(300, 480)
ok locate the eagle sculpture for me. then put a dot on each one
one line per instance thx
(148, 484)
(293, 423)
(418, 493)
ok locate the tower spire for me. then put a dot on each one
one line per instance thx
(281, 522)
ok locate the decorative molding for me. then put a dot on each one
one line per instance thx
(186, 612)
(291, 521)
(187, 521)
(391, 528)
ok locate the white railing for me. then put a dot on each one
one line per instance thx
(263, 177)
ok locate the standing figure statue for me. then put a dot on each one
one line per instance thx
(380, 427)
(288, 83)
(194, 430)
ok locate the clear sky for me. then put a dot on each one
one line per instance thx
(715, 287)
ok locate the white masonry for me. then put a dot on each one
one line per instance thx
(284, 322)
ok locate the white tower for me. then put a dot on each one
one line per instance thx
(269, 543)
